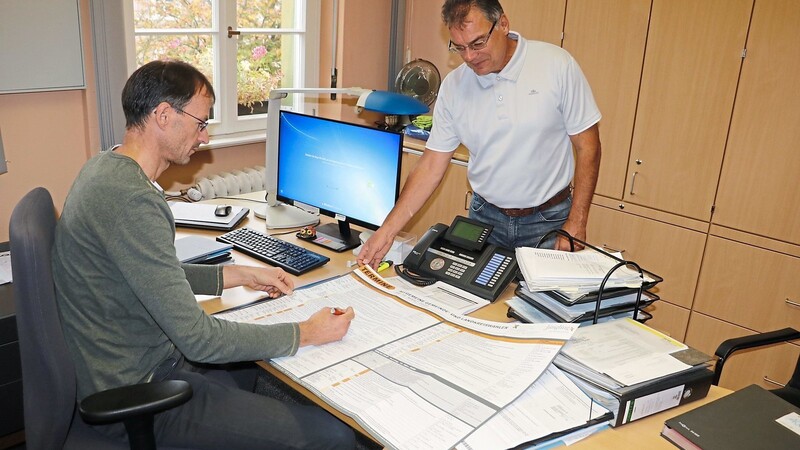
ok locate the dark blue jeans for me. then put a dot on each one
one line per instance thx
(526, 231)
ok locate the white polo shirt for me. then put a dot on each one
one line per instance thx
(516, 123)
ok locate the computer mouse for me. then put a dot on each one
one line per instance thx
(223, 210)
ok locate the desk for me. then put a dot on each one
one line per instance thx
(643, 433)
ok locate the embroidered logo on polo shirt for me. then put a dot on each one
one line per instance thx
(533, 92)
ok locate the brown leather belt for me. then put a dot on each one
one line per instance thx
(521, 212)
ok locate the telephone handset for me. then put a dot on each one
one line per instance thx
(460, 256)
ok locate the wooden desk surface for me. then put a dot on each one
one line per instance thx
(643, 433)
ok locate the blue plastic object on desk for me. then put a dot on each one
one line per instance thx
(416, 132)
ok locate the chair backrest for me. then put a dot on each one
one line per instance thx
(48, 375)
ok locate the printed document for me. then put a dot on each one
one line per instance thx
(5, 267)
(572, 272)
(553, 404)
(410, 378)
(627, 351)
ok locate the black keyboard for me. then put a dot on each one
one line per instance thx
(276, 252)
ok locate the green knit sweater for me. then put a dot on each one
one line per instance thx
(126, 302)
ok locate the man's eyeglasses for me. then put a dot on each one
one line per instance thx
(477, 44)
(201, 124)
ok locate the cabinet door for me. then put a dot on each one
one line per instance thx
(541, 20)
(689, 80)
(758, 188)
(607, 39)
(749, 286)
(670, 251)
(765, 366)
(450, 199)
(669, 319)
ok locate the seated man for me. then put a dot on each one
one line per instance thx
(127, 304)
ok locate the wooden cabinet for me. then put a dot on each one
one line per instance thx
(669, 319)
(450, 199)
(691, 68)
(764, 366)
(608, 40)
(670, 251)
(536, 19)
(749, 286)
(758, 190)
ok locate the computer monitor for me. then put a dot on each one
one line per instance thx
(347, 171)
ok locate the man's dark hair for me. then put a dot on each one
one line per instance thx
(174, 82)
(454, 12)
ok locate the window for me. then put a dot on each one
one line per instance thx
(245, 47)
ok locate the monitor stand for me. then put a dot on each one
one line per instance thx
(285, 216)
(336, 237)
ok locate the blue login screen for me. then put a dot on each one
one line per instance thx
(339, 167)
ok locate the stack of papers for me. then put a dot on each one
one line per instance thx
(580, 312)
(626, 352)
(634, 370)
(573, 273)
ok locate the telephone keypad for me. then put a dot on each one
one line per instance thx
(456, 270)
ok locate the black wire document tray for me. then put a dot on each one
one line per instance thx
(582, 312)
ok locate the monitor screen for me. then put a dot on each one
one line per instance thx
(347, 171)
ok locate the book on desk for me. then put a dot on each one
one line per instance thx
(751, 418)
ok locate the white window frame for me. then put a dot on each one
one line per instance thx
(227, 128)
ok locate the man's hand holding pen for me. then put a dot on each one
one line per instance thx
(326, 325)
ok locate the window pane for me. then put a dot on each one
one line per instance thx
(259, 70)
(193, 49)
(265, 13)
(163, 14)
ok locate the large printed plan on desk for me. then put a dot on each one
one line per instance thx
(411, 378)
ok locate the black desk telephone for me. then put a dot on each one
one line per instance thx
(459, 255)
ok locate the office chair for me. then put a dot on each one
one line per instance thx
(48, 374)
(790, 392)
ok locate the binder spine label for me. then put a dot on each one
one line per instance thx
(653, 403)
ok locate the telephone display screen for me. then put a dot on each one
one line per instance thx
(467, 231)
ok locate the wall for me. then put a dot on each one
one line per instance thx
(47, 136)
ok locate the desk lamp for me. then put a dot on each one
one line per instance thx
(287, 216)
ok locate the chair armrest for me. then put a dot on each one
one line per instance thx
(123, 403)
(728, 347)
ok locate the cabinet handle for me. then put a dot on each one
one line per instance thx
(771, 381)
(467, 199)
(791, 303)
(633, 182)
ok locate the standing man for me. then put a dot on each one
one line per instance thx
(519, 107)
(127, 304)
